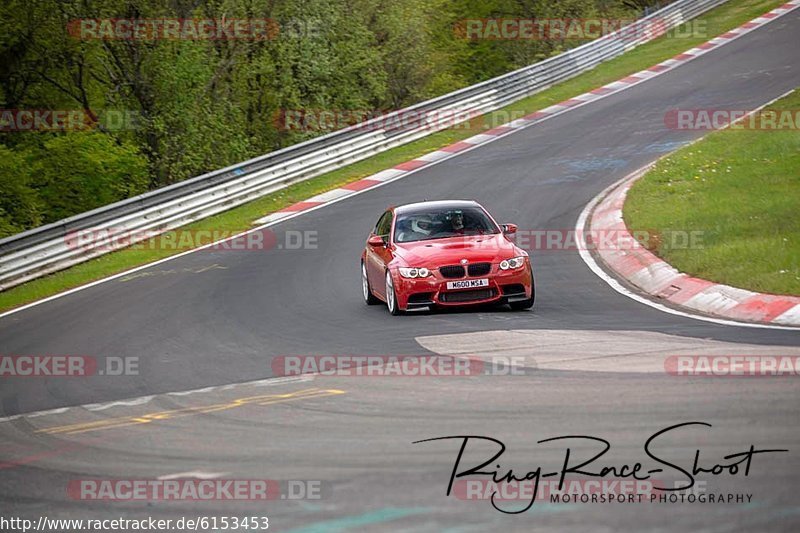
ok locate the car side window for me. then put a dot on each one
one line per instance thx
(384, 225)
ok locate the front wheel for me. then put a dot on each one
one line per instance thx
(524, 304)
(369, 298)
(391, 296)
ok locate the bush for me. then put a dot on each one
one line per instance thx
(20, 206)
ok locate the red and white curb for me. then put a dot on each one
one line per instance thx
(655, 277)
(403, 169)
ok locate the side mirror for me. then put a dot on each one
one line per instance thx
(509, 229)
(375, 240)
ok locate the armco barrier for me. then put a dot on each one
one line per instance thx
(44, 250)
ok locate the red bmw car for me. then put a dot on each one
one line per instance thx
(442, 254)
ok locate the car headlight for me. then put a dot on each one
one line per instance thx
(413, 272)
(511, 264)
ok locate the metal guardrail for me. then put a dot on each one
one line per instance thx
(46, 249)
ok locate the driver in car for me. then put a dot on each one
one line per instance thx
(414, 229)
(455, 223)
(422, 225)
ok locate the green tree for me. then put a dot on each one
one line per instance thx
(206, 104)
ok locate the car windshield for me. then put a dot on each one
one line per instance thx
(430, 224)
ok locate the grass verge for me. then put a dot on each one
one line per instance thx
(741, 189)
(720, 20)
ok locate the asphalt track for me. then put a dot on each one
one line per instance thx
(219, 317)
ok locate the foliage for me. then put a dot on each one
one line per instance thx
(201, 104)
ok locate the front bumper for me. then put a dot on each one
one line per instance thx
(505, 286)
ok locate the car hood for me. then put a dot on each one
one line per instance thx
(449, 251)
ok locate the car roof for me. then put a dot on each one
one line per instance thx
(437, 204)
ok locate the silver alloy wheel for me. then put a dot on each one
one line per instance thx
(364, 282)
(390, 301)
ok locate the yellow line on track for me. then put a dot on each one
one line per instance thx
(124, 421)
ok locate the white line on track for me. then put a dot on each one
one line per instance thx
(142, 400)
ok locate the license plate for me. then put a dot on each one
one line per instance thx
(467, 284)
